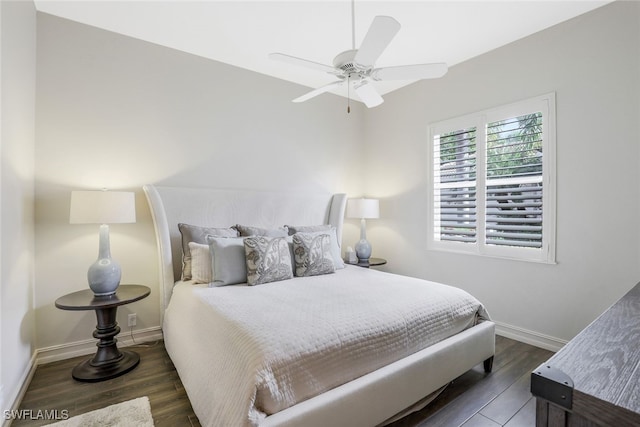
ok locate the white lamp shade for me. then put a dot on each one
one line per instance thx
(363, 208)
(102, 207)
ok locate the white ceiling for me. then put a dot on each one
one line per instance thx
(243, 33)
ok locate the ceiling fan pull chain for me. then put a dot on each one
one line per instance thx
(348, 95)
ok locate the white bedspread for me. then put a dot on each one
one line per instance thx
(246, 352)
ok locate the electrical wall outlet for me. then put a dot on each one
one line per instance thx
(132, 319)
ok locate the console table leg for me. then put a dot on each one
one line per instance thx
(108, 362)
(106, 331)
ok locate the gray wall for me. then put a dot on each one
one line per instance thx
(117, 112)
(17, 138)
(593, 64)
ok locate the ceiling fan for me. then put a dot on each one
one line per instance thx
(356, 66)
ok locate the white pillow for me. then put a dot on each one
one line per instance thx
(200, 263)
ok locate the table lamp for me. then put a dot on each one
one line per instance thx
(363, 209)
(103, 207)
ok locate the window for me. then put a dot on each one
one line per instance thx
(493, 186)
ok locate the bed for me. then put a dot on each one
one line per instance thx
(351, 347)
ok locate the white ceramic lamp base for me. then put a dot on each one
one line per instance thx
(363, 247)
(104, 274)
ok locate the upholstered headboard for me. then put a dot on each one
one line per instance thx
(224, 208)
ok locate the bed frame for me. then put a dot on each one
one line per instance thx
(367, 401)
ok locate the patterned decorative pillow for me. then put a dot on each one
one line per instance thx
(246, 230)
(335, 248)
(268, 259)
(197, 234)
(312, 253)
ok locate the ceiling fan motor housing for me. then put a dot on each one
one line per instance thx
(344, 61)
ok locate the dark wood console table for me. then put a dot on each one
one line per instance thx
(594, 380)
(108, 362)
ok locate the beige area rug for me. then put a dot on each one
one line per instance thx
(136, 412)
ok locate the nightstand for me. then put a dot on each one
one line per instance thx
(373, 262)
(108, 362)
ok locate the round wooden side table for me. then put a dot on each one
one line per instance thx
(373, 262)
(108, 362)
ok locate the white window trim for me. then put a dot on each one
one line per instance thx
(547, 253)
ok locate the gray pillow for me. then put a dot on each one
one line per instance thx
(197, 234)
(268, 259)
(246, 230)
(312, 254)
(293, 229)
(227, 260)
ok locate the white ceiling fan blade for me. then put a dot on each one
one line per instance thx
(318, 91)
(382, 30)
(410, 72)
(368, 94)
(302, 62)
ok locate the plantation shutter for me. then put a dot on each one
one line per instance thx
(513, 210)
(455, 186)
(490, 194)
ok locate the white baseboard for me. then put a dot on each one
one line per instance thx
(17, 395)
(529, 337)
(88, 346)
(69, 350)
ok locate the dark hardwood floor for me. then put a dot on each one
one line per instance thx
(52, 388)
(475, 399)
